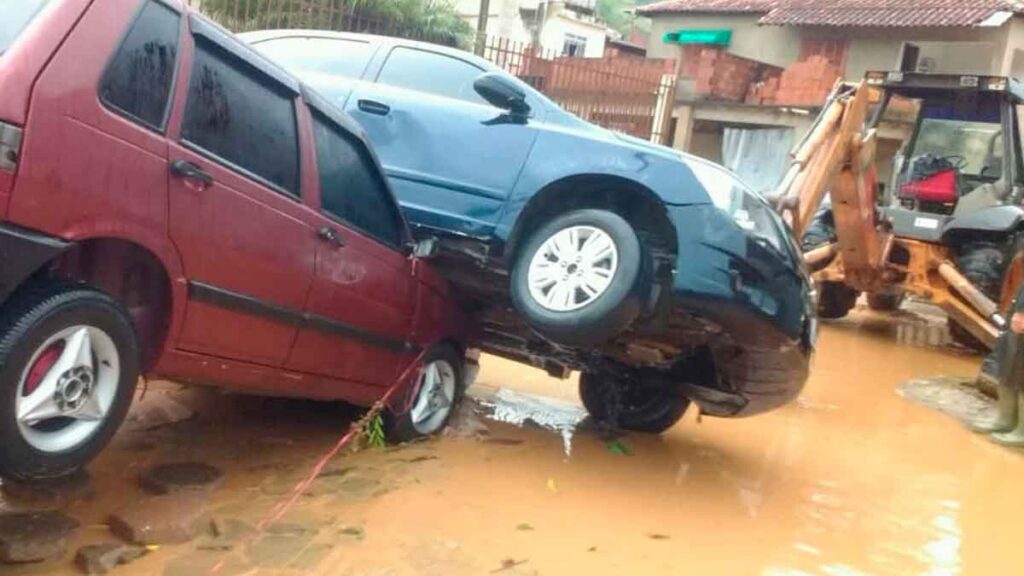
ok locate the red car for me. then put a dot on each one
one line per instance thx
(172, 204)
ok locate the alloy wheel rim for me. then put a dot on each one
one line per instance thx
(435, 399)
(573, 268)
(67, 389)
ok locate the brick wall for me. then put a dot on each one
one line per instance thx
(720, 75)
(807, 83)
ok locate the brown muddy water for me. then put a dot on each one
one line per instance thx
(852, 479)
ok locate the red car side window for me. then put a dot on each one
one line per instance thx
(138, 80)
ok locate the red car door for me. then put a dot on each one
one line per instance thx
(236, 214)
(360, 309)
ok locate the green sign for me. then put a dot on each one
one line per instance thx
(713, 37)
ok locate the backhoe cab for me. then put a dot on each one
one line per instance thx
(945, 227)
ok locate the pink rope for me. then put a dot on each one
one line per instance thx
(285, 504)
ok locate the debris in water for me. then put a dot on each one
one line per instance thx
(508, 564)
(950, 395)
(551, 485)
(357, 532)
(619, 449)
(659, 536)
(524, 527)
(515, 408)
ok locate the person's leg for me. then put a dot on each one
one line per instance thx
(1014, 437)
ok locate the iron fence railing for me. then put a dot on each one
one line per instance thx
(626, 94)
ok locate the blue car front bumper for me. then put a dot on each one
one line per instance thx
(759, 297)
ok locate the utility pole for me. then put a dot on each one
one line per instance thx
(481, 26)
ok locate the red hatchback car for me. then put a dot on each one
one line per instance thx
(173, 204)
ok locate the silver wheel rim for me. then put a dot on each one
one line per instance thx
(67, 389)
(435, 399)
(573, 268)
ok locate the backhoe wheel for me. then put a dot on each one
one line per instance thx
(439, 391)
(582, 278)
(885, 301)
(628, 405)
(835, 300)
(984, 264)
(69, 364)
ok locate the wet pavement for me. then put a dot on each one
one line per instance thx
(852, 479)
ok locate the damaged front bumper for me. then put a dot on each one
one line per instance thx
(758, 298)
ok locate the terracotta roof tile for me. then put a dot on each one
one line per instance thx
(683, 6)
(857, 13)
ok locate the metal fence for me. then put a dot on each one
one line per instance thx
(627, 94)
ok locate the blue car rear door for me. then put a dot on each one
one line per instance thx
(452, 158)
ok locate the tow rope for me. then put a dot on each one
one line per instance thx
(354, 431)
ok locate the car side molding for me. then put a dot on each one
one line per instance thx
(231, 300)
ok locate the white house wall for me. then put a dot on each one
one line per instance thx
(552, 37)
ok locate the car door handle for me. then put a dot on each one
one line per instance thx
(189, 171)
(374, 107)
(328, 235)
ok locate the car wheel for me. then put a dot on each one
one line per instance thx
(835, 300)
(438, 392)
(642, 409)
(582, 278)
(885, 301)
(70, 365)
(984, 265)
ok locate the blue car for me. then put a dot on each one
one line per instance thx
(661, 277)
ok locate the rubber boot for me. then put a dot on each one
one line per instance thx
(1014, 437)
(1006, 414)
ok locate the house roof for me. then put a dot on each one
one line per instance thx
(855, 13)
(727, 6)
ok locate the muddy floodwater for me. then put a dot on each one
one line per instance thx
(853, 479)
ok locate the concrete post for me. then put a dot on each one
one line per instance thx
(481, 26)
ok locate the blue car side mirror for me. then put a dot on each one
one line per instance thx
(502, 93)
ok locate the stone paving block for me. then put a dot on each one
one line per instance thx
(34, 536)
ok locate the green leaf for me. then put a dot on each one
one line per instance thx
(619, 449)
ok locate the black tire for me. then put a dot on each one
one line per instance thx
(644, 410)
(984, 264)
(835, 300)
(31, 317)
(885, 302)
(611, 312)
(400, 427)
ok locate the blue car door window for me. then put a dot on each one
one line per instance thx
(432, 73)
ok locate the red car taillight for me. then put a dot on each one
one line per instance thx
(10, 146)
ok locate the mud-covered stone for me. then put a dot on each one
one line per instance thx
(48, 494)
(102, 558)
(181, 477)
(34, 536)
(170, 519)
